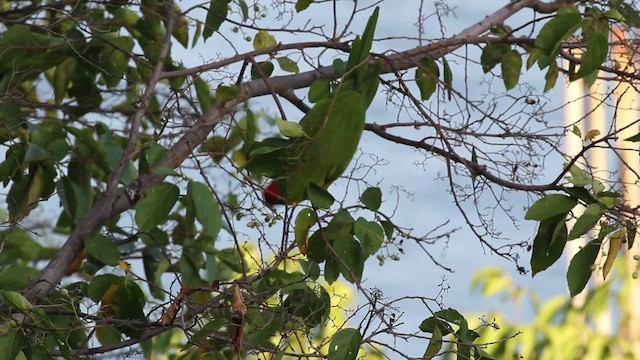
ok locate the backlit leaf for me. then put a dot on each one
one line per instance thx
(206, 207)
(153, 209)
(287, 65)
(615, 243)
(264, 40)
(215, 17)
(581, 267)
(550, 206)
(304, 221)
(102, 248)
(511, 66)
(586, 221)
(427, 75)
(371, 198)
(345, 345)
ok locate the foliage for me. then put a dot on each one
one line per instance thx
(152, 168)
(560, 330)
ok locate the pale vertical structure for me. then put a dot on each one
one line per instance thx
(574, 112)
(597, 121)
(627, 125)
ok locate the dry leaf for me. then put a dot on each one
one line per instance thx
(239, 308)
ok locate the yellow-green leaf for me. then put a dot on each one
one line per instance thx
(263, 40)
(615, 243)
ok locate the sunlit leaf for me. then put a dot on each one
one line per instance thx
(615, 243)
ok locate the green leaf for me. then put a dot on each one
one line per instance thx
(102, 248)
(287, 64)
(550, 206)
(492, 55)
(264, 40)
(630, 14)
(303, 5)
(61, 80)
(351, 254)
(153, 209)
(206, 207)
(17, 300)
(447, 76)
(361, 46)
(597, 50)
(16, 277)
(244, 9)
(371, 198)
(304, 221)
(289, 128)
(634, 138)
(427, 75)
(474, 160)
(345, 345)
(215, 17)
(100, 284)
(581, 266)
(319, 197)
(225, 93)
(263, 69)
(370, 234)
(554, 32)
(586, 221)
(511, 66)
(548, 243)
(203, 93)
(11, 343)
(339, 66)
(551, 77)
(435, 345)
(232, 259)
(319, 90)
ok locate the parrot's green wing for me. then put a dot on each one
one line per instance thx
(333, 127)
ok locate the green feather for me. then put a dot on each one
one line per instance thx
(333, 128)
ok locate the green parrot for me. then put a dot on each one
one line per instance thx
(332, 131)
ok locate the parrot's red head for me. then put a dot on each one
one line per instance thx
(271, 194)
